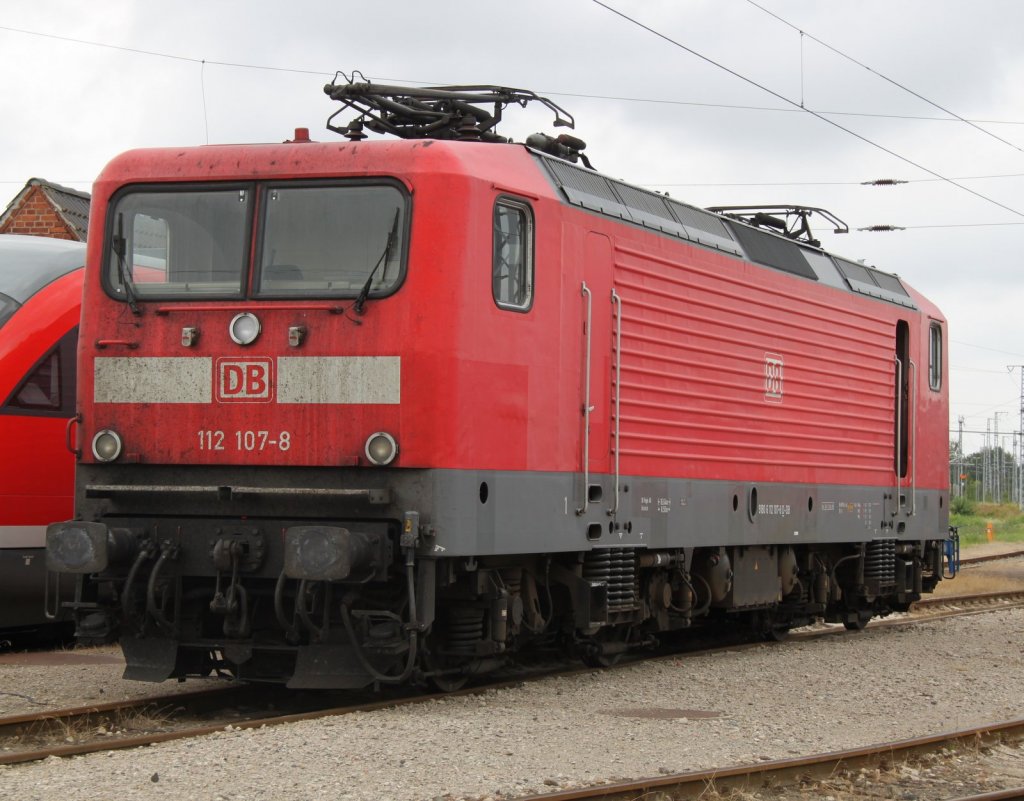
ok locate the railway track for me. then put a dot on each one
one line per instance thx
(770, 778)
(156, 719)
(992, 557)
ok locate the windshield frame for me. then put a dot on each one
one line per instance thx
(252, 251)
(110, 271)
(256, 291)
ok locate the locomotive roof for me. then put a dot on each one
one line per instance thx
(28, 263)
(471, 113)
(610, 197)
(575, 185)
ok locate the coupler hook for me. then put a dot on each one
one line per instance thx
(154, 609)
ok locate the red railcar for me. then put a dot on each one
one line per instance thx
(377, 410)
(40, 301)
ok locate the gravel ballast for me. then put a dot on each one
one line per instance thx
(665, 716)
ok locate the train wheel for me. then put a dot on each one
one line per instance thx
(857, 620)
(777, 632)
(449, 682)
(606, 648)
(443, 671)
(771, 625)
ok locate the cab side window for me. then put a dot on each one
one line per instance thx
(512, 263)
(935, 356)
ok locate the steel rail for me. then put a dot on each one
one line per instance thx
(750, 778)
(1011, 794)
(210, 700)
(987, 599)
(992, 557)
(113, 743)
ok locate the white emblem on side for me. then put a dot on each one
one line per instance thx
(773, 377)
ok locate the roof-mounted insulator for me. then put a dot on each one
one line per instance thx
(884, 182)
(354, 132)
(874, 228)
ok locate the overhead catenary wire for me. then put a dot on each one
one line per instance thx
(799, 108)
(815, 114)
(875, 72)
(877, 182)
(556, 92)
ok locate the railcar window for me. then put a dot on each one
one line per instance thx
(935, 356)
(41, 389)
(179, 243)
(512, 265)
(8, 306)
(332, 241)
(48, 388)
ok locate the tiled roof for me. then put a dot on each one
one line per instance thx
(71, 205)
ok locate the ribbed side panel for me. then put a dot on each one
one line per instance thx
(725, 367)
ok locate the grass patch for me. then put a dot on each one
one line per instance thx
(1007, 523)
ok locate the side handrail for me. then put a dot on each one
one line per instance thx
(898, 451)
(912, 433)
(587, 408)
(47, 612)
(617, 305)
(69, 442)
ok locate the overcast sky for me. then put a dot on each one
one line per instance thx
(651, 112)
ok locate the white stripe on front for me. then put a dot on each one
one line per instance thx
(339, 379)
(153, 379)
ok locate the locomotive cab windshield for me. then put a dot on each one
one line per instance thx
(313, 241)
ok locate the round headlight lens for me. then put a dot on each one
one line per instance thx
(244, 328)
(381, 448)
(106, 445)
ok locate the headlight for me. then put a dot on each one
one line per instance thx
(244, 328)
(381, 448)
(106, 445)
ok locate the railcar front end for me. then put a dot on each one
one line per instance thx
(40, 299)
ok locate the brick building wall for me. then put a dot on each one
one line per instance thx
(36, 216)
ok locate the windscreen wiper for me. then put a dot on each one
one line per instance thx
(120, 247)
(364, 293)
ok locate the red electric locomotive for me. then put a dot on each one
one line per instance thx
(40, 302)
(377, 411)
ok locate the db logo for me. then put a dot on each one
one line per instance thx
(773, 378)
(245, 380)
